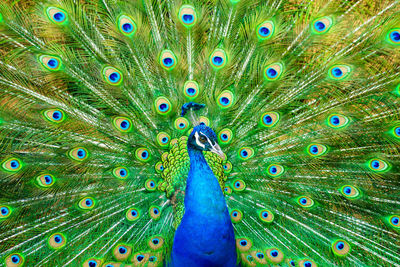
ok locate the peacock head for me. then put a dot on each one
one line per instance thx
(203, 138)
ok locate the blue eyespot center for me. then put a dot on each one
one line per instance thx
(57, 115)
(307, 264)
(59, 16)
(168, 62)
(134, 212)
(260, 255)
(191, 91)
(127, 27)
(292, 263)
(337, 72)
(81, 153)
(274, 253)
(163, 106)
(114, 77)
(375, 164)
(319, 26)
(273, 170)
(237, 184)
(123, 172)
(225, 167)
(335, 120)
(272, 73)
(139, 257)
(243, 243)
(15, 259)
(235, 214)
(155, 211)
(347, 190)
(181, 125)
(92, 264)
(155, 241)
(88, 202)
(395, 36)
(188, 18)
(125, 124)
(122, 250)
(340, 245)
(267, 119)
(303, 200)
(58, 239)
(4, 211)
(14, 164)
(395, 220)
(164, 140)
(52, 63)
(217, 60)
(145, 154)
(152, 184)
(314, 149)
(264, 31)
(244, 153)
(264, 214)
(224, 101)
(397, 131)
(47, 179)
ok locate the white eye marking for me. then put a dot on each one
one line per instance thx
(196, 135)
(208, 139)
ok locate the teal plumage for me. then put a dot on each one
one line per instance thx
(303, 98)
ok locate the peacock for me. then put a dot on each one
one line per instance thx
(199, 133)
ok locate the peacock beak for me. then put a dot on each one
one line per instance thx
(217, 150)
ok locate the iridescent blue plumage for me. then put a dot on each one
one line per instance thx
(205, 236)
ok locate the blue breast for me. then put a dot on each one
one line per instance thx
(205, 236)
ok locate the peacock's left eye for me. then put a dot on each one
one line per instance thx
(203, 139)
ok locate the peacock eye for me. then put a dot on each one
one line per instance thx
(203, 139)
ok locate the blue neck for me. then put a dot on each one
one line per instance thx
(203, 193)
(205, 236)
